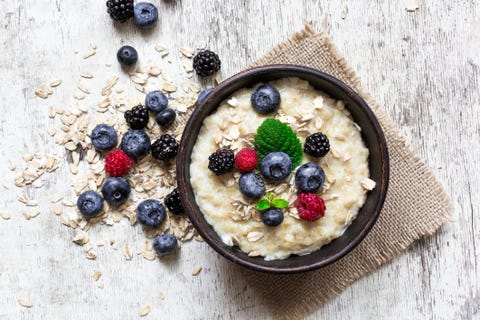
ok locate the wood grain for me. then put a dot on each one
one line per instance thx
(423, 66)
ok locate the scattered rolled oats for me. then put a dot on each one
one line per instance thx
(162, 49)
(187, 65)
(91, 255)
(97, 275)
(31, 213)
(86, 75)
(55, 83)
(68, 203)
(25, 302)
(196, 270)
(5, 215)
(169, 87)
(31, 203)
(412, 5)
(187, 52)
(81, 238)
(89, 53)
(128, 253)
(82, 86)
(41, 93)
(144, 311)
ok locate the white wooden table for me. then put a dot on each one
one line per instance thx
(423, 66)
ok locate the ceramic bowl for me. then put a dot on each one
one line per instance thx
(371, 132)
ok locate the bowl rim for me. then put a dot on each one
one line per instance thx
(262, 70)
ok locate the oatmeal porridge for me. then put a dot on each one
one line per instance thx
(341, 175)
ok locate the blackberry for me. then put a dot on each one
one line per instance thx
(137, 117)
(221, 161)
(317, 145)
(173, 203)
(120, 10)
(165, 148)
(206, 63)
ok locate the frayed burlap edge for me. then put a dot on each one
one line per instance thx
(295, 296)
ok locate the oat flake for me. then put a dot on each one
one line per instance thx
(412, 5)
(97, 275)
(254, 236)
(25, 302)
(196, 270)
(144, 311)
(368, 184)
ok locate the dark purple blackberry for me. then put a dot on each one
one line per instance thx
(173, 203)
(120, 10)
(206, 63)
(317, 145)
(165, 148)
(221, 161)
(137, 117)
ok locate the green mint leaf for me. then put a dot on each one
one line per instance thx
(279, 203)
(273, 135)
(263, 205)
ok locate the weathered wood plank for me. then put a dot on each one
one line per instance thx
(422, 66)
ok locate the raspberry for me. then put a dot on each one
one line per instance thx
(246, 160)
(117, 163)
(310, 206)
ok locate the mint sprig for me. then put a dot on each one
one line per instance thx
(273, 135)
(270, 201)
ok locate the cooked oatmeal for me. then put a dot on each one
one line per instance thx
(235, 218)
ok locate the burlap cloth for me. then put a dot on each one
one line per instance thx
(416, 204)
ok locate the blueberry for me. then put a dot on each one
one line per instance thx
(90, 204)
(156, 101)
(150, 213)
(104, 137)
(165, 244)
(145, 15)
(135, 143)
(265, 99)
(127, 56)
(272, 217)
(204, 94)
(252, 185)
(116, 190)
(276, 166)
(166, 117)
(309, 177)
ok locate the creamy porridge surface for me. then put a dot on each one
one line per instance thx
(235, 218)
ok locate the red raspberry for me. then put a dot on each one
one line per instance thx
(246, 160)
(117, 163)
(310, 206)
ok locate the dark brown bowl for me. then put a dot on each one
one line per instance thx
(372, 134)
